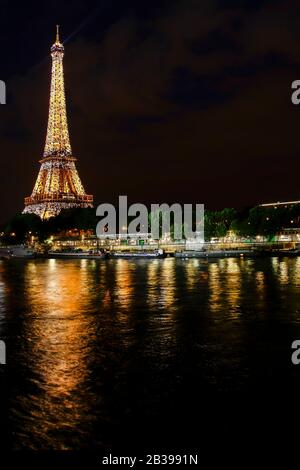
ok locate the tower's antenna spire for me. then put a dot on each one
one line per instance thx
(57, 33)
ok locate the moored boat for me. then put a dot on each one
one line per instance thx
(138, 254)
(77, 254)
(16, 251)
(215, 254)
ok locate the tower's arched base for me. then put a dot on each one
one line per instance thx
(45, 210)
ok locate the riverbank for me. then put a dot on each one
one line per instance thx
(16, 252)
(236, 253)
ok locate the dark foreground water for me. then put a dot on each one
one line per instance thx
(100, 352)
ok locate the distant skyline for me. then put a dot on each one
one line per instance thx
(180, 101)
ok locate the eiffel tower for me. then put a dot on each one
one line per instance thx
(58, 185)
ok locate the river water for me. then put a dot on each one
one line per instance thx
(98, 348)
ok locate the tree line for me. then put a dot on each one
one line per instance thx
(249, 222)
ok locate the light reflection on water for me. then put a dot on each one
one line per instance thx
(95, 343)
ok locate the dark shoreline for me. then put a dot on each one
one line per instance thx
(182, 255)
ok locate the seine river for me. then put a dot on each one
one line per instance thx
(99, 349)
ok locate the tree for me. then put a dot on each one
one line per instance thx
(20, 227)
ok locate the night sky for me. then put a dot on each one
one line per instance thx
(168, 101)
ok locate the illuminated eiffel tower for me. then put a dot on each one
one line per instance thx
(58, 185)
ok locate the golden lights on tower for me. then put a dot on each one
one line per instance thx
(58, 185)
